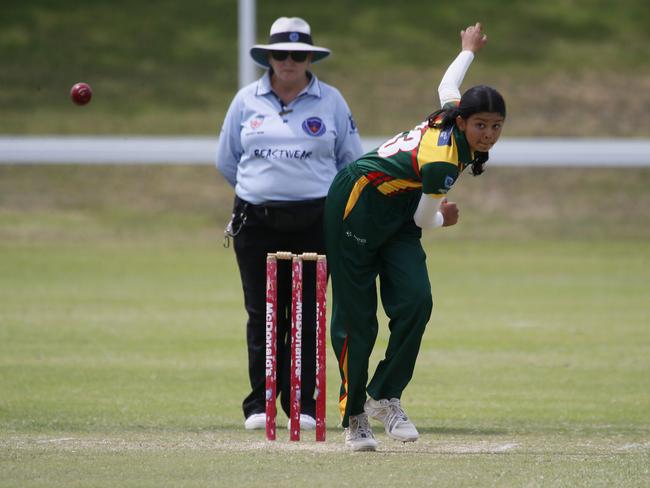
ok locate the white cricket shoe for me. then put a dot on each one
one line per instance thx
(307, 422)
(358, 436)
(255, 421)
(396, 423)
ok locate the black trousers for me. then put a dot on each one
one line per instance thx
(256, 235)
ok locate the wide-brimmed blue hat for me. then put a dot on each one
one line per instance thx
(288, 34)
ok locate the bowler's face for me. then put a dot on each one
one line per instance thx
(482, 130)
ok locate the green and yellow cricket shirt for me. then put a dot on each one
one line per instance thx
(424, 159)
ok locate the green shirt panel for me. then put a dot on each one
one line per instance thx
(425, 154)
(439, 177)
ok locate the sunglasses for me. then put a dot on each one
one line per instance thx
(297, 56)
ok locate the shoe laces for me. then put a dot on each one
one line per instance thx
(360, 426)
(396, 410)
(390, 410)
(395, 415)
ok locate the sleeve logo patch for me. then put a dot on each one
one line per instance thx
(314, 126)
(353, 126)
(449, 181)
(444, 139)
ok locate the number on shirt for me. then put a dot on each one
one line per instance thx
(401, 142)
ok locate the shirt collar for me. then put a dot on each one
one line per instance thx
(264, 85)
(465, 155)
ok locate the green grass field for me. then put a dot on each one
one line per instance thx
(122, 342)
(122, 345)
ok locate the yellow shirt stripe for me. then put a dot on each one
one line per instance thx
(354, 195)
(393, 186)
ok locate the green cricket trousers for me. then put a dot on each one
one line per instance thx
(370, 235)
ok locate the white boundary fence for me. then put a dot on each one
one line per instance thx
(201, 150)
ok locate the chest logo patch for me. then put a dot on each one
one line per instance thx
(314, 126)
(257, 122)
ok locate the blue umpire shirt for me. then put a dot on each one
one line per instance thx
(271, 152)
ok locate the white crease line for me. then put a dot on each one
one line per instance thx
(477, 448)
(62, 439)
(634, 446)
(505, 447)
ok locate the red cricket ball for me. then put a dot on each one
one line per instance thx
(81, 93)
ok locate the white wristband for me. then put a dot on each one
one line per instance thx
(438, 220)
(427, 215)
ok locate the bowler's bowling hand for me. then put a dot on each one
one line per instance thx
(472, 38)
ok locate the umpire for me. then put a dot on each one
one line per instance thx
(283, 140)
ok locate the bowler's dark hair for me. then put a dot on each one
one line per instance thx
(480, 98)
